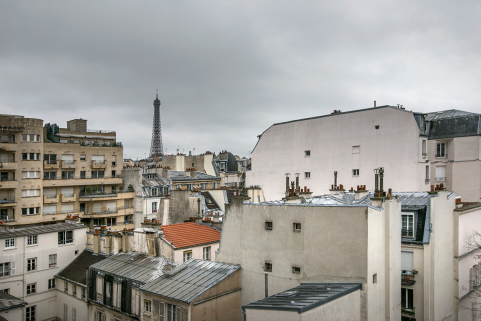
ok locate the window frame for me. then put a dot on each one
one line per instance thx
(50, 257)
(269, 226)
(32, 264)
(307, 153)
(307, 175)
(10, 243)
(296, 270)
(206, 253)
(297, 227)
(355, 172)
(51, 284)
(147, 306)
(187, 254)
(267, 267)
(31, 288)
(30, 313)
(441, 150)
(64, 240)
(32, 240)
(409, 216)
(405, 299)
(5, 269)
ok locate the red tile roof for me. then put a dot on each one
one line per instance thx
(189, 234)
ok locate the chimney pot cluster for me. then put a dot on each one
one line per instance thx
(436, 188)
(336, 111)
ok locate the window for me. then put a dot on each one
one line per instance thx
(114, 164)
(49, 175)
(407, 226)
(74, 314)
(65, 312)
(31, 211)
(296, 270)
(50, 158)
(268, 225)
(203, 185)
(30, 138)
(82, 174)
(6, 291)
(32, 239)
(31, 288)
(297, 227)
(377, 126)
(172, 313)
(30, 193)
(32, 264)
(30, 174)
(51, 284)
(83, 293)
(30, 313)
(206, 251)
(187, 255)
(98, 174)
(440, 173)
(268, 267)
(5, 269)
(31, 156)
(147, 306)
(108, 289)
(407, 299)
(356, 149)
(9, 243)
(52, 260)
(441, 150)
(82, 158)
(307, 153)
(474, 277)
(427, 174)
(65, 237)
(154, 206)
(355, 172)
(76, 252)
(374, 278)
(67, 174)
(114, 173)
(111, 221)
(99, 316)
(307, 174)
(424, 151)
(74, 289)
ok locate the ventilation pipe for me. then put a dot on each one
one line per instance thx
(287, 184)
(297, 183)
(335, 179)
(374, 104)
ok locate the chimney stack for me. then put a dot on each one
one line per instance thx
(374, 104)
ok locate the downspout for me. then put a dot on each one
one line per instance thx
(427, 224)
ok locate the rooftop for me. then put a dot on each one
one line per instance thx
(52, 228)
(189, 234)
(75, 271)
(210, 202)
(8, 301)
(304, 297)
(188, 281)
(182, 176)
(135, 266)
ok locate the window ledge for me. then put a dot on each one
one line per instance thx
(9, 248)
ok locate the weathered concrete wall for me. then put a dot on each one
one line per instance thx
(182, 206)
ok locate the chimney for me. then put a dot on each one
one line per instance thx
(360, 192)
(287, 184)
(374, 104)
(297, 183)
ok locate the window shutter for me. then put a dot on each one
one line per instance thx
(103, 317)
(13, 269)
(471, 279)
(179, 314)
(161, 311)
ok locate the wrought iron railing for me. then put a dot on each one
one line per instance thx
(408, 277)
(407, 232)
(408, 314)
(440, 179)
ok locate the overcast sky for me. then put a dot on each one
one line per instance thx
(227, 70)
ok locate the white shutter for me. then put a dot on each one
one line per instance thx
(112, 206)
(67, 157)
(67, 190)
(100, 288)
(4, 158)
(13, 269)
(161, 311)
(134, 302)
(440, 171)
(97, 207)
(406, 260)
(119, 295)
(67, 208)
(98, 158)
(179, 314)
(51, 209)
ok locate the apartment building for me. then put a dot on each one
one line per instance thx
(317, 243)
(50, 174)
(30, 258)
(418, 150)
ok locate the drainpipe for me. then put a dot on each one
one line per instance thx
(266, 284)
(335, 179)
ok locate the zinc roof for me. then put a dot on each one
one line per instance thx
(304, 297)
(8, 301)
(35, 230)
(76, 269)
(135, 266)
(182, 176)
(189, 280)
(189, 234)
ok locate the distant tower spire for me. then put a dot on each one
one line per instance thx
(156, 147)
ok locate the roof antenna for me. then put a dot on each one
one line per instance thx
(157, 94)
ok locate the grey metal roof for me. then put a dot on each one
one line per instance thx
(452, 123)
(189, 280)
(8, 301)
(452, 113)
(135, 266)
(35, 230)
(304, 297)
(75, 270)
(182, 176)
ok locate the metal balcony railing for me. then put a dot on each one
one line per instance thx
(51, 195)
(82, 177)
(5, 200)
(408, 314)
(408, 277)
(98, 194)
(7, 218)
(68, 195)
(407, 232)
(425, 154)
(440, 179)
(442, 155)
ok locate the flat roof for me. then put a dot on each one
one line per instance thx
(35, 230)
(305, 297)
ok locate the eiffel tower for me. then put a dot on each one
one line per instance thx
(156, 147)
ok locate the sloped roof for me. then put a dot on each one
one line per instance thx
(453, 123)
(8, 301)
(182, 176)
(35, 230)
(189, 234)
(76, 270)
(304, 297)
(189, 280)
(210, 202)
(135, 266)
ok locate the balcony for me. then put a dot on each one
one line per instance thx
(8, 146)
(50, 198)
(97, 194)
(8, 165)
(99, 164)
(7, 218)
(407, 232)
(78, 180)
(68, 197)
(408, 277)
(7, 201)
(68, 164)
(8, 184)
(50, 164)
(408, 314)
(440, 179)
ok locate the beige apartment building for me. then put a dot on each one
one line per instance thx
(50, 174)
